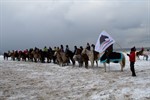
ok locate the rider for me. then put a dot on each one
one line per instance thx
(88, 46)
(75, 49)
(61, 48)
(108, 51)
(93, 47)
(45, 49)
(67, 49)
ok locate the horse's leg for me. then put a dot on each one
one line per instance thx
(121, 66)
(96, 63)
(146, 57)
(4, 57)
(138, 57)
(86, 64)
(92, 63)
(73, 61)
(105, 66)
(80, 60)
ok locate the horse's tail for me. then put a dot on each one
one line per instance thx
(123, 61)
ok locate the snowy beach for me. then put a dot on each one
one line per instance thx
(47, 81)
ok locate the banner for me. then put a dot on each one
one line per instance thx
(103, 42)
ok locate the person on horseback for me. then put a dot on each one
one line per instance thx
(45, 49)
(67, 49)
(61, 48)
(88, 46)
(81, 48)
(50, 49)
(132, 57)
(67, 52)
(108, 51)
(75, 49)
(93, 47)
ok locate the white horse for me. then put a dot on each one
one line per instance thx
(114, 57)
(92, 55)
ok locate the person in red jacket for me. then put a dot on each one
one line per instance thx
(132, 57)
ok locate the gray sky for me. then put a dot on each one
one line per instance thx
(30, 23)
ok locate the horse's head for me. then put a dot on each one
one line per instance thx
(56, 52)
(84, 51)
(78, 51)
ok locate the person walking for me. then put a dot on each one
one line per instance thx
(132, 57)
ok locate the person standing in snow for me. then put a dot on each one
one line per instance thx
(132, 57)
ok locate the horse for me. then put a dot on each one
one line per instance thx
(61, 57)
(36, 55)
(114, 57)
(92, 55)
(6, 55)
(15, 55)
(70, 55)
(139, 53)
(24, 56)
(80, 58)
(145, 54)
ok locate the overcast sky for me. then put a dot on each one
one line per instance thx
(30, 23)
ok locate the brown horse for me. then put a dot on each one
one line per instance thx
(139, 53)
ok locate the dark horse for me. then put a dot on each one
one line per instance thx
(139, 53)
(70, 55)
(6, 55)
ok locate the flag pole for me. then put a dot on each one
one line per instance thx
(121, 47)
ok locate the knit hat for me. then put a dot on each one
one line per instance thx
(133, 49)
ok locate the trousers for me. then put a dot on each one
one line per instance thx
(132, 68)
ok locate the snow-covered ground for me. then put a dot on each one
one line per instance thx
(37, 81)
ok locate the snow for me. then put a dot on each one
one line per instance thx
(47, 81)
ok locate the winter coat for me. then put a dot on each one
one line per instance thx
(132, 56)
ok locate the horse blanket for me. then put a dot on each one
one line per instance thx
(113, 57)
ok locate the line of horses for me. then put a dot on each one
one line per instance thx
(82, 56)
(34, 55)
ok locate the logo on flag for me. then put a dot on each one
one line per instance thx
(103, 42)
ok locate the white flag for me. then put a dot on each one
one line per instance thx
(103, 42)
